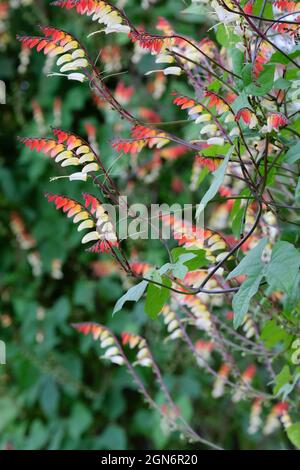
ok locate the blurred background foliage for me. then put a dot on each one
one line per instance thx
(54, 392)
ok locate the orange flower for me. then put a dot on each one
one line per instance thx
(247, 116)
(100, 11)
(214, 100)
(248, 8)
(153, 44)
(276, 120)
(141, 137)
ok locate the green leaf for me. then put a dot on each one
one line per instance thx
(237, 58)
(133, 294)
(218, 177)
(264, 83)
(8, 411)
(281, 379)
(247, 74)
(237, 222)
(214, 150)
(272, 334)
(202, 175)
(49, 396)
(198, 261)
(226, 37)
(279, 58)
(283, 386)
(282, 84)
(252, 266)
(80, 420)
(242, 298)
(282, 271)
(197, 10)
(293, 433)
(156, 297)
(293, 154)
(113, 437)
(180, 269)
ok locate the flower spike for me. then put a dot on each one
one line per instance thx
(96, 220)
(56, 42)
(68, 150)
(100, 11)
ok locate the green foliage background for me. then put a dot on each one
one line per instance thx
(57, 394)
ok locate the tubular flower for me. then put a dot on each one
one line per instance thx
(214, 100)
(248, 8)
(201, 316)
(248, 327)
(141, 137)
(286, 6)
(123, 93)
(95, 219)
(171, 323)
(164, 26)
(111, 57)
(172, 153)
(139, 267)
(68, 150)
(274, 121)
(287, 28)
(194, 109)
(277, 413)
(25, 240)
(247, 116)
(106, 340)
(204, 350)
(210, 163)
(219, 384)
(255, 420)
(247, 376)
(57, 42)
(143, 357)
(157, 86)
(100, 11)
(149, 115)
(146, 41)
(262, 56)
(198, 165)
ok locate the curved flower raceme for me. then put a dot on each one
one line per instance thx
(143, 357)
(100, 11)
(194, 109)
(68, 150)
(92, 216)
(141, 137)
(106, 339)
(72, 62)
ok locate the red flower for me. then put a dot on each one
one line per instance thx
(248, 8)
(275, 121)
(247, 116)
